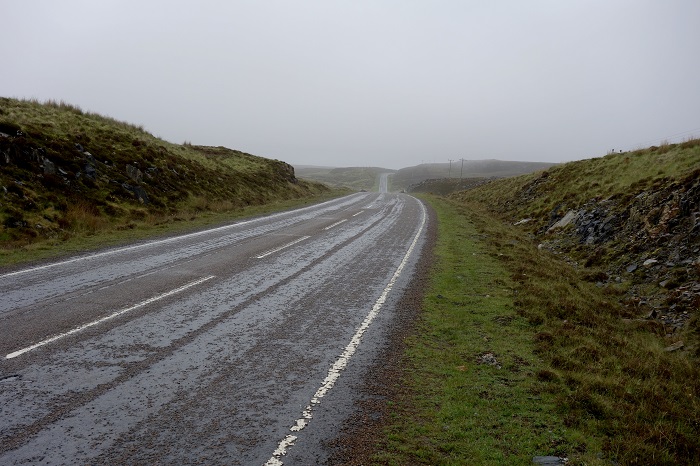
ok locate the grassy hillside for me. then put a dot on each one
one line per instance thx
(406, 177)
(67, 173)
(630, 220)
(355, 178)
(561, 320)
(607, 274)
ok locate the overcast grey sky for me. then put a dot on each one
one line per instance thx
(370, 83)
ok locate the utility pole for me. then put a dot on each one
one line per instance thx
(461, 169)
(449, 171)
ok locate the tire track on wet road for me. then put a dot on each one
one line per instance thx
(219, 372)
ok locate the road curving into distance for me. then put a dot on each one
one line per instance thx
(243, 344)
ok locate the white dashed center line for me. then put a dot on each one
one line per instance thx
(336, 224)
(272, 251)
(111, 316)
(341, 363)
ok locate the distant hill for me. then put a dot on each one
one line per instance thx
(355, 178)
(470, 169)
(65, 172)
(445, 186)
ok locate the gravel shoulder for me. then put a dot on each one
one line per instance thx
(363, 434)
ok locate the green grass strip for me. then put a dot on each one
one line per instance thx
(474, 395)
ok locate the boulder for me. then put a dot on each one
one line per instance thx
(138, 192)
(49, 167)
(90, 171)
(564, 221)
(134, 173)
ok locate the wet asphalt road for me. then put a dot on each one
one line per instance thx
(239, 345)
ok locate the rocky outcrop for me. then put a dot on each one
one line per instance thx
(287, 172)
(137, 191)
(650, 239)
(134, 173)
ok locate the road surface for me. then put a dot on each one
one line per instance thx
(242, 344)
(384, 182)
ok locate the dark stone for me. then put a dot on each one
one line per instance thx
(134, 173)
(141, 194)
(49, 167)
(137, 191)
(79, 147)
(90, 171)
(547, 460)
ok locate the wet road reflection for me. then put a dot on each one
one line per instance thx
(217, 372)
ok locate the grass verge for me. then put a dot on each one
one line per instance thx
(475, 397)
(517, 356)
(145, 228)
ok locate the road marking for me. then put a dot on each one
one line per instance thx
(358, 213)
(111, 316)
(322, 205)
(341, 363)
(272, 251)
(336, 224)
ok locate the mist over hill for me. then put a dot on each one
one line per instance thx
(355, 178)
(468, 169)
(365, 177)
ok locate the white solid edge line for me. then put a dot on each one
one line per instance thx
(341, 363)
(162, 241)
(272, 251)
(336, 224)
(111, 316)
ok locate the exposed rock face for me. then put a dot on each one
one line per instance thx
(651, 219)
(596, 224)
(287, 172)
(649, 238)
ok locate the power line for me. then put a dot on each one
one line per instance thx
(672, 136)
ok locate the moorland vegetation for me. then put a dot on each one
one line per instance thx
(67, 175)
(563, 319)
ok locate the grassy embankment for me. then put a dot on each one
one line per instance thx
(73, 180)
(573, 373)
